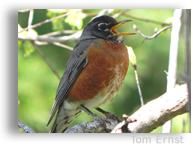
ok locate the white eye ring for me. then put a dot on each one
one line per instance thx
(103, 26)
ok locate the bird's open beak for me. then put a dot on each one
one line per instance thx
(114, 29)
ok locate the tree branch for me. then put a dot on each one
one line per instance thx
(24, 127)
(157, 112)
(92, 127)
(172, 67)
(64, 39)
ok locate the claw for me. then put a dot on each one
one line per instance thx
(109, 115)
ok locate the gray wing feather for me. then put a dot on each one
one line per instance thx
(75, 65)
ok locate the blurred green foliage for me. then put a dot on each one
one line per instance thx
(37, 84)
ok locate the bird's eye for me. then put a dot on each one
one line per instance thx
(103, 26)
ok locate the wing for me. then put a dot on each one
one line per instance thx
(75, 65)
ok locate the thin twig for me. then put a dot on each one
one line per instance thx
(49, 20)
(121, 13)
(145, 19)
(102, 12)
(47, 61)
(60, 33)
(138, 86)
(24, 127)
(133, 61)
(153, 36)
(54, 43)
(30, 20)
(62, 46)
(90, 14)
(64, 39)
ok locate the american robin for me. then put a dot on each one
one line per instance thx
(94, 73)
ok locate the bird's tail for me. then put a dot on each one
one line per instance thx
(63, 119)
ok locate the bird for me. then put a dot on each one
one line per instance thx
(94, 72)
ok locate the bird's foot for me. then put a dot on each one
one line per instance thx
(101, 120)
(109, 115)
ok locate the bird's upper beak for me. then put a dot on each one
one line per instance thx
(114, 29)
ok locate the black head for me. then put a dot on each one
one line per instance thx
(104, 27)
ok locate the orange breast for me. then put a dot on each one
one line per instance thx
(107, 61)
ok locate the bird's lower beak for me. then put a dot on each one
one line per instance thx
(114, 29)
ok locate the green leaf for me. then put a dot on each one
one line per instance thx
(57, 25)
(26, 45)
(132, 57)
(28, 49)
(76, 19)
